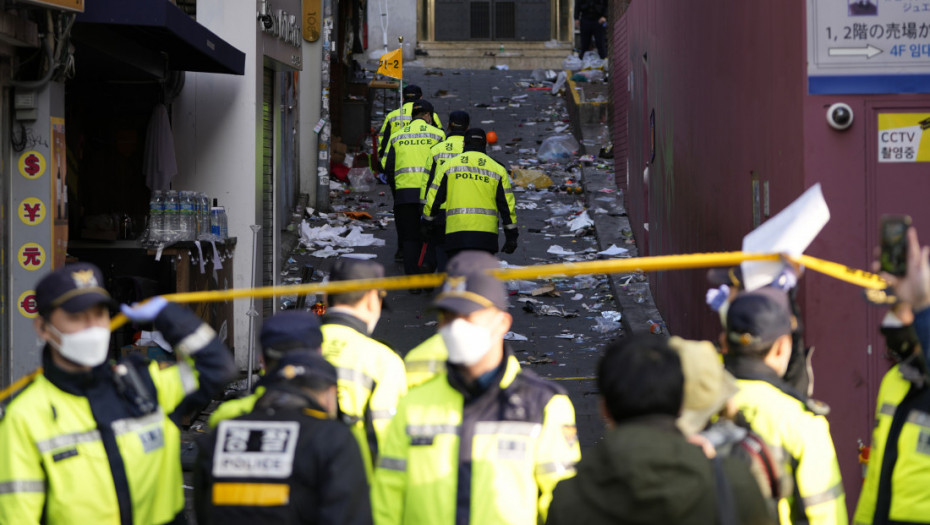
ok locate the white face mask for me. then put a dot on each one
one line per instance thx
(467, 342)
(88, 347)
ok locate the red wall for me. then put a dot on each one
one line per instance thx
(728, 84)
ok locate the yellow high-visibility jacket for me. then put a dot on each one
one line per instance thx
(803, 440)
(371, 381)
(75, 449)
(235, 407)
(455, 457)
(407, 153)
(425, 361)
(438, 155)
(395, 120)
(476, 192)
(902, 432)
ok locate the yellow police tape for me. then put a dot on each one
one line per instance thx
(645, 264)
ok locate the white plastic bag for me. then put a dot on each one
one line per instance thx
(558, 148)
(572, 63)
(559, 82)
(361, 179)
(591, 60)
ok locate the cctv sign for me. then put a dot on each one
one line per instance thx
(902, 138)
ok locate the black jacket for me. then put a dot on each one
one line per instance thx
(644, 472)
(590, 9)
(310, 465)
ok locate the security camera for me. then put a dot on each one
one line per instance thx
(840, 116)
(266, 20)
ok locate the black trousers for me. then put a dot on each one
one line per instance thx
(407, 221)
(591, 28)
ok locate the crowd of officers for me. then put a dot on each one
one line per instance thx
(449, 194)
(340, 429)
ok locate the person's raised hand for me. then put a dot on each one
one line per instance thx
(914, 286)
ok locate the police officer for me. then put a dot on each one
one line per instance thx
(591, 19)
(439, 154)
(483, 442)
(289, 460)
(281, 334)
(400, 117)
(476, 191)
(899, 461)
(428, 359)
(406, 172)
(757, 344)
(371, 375)
(83, 440)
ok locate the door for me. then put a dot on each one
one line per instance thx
(492, 20)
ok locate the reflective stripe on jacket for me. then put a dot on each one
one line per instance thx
(476, 192)
(394, 121)
(75, 449)
(438, 155)
(897, 492)
(371, 381)
(804, 441)
(425, 361)
(454, 458)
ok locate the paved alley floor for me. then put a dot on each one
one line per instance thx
(560, 324)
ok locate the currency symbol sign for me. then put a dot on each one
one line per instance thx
(31, 212)
(31, 164)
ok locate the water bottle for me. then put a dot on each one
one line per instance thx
(224, 225)
(172, 215)
(156, 215)
(204, 227)
(187, 216)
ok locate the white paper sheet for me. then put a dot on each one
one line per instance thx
(790, 232)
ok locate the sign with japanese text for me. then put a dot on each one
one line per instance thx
(868, 46)
(901, 137)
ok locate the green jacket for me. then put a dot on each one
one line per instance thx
(645, 472)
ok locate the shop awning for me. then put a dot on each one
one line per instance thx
(136, 30)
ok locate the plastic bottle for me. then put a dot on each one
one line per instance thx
(172, 215)
(187, 216)
(218, 223)
(157, 215)
(224, 224)
(204, 229)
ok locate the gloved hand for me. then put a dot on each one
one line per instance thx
(144, 312)
(510, 245)
(427, 230)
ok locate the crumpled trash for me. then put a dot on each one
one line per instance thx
(580, 222)
(548, 310)
(513, 336)
(330, 237)
(520, 286)
(555, 249)
(614, 250)
(558, 148)
(558, 209)
(611, 315)
(591, 60)
(572, 63)
(559, 83)
(524, 177)
(604, 325)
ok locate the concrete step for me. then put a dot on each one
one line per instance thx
(487, 54)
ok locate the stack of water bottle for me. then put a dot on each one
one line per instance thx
(185, 216)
